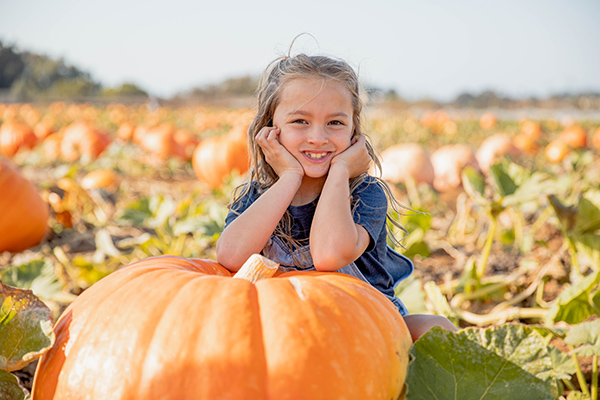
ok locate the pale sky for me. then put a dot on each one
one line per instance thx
(420, 48)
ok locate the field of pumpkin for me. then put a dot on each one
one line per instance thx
(503, 226)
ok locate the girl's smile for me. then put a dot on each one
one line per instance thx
(316, 122)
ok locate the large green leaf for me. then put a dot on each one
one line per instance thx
(587, 337)
(25, 328)
(575, 303)
(10, 389)
(480, 365)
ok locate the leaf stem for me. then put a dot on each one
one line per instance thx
(487, 248)
(580, 377)
(595, 377)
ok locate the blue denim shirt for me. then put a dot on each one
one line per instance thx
(379, 265)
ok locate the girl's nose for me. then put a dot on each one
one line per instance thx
(317, 136)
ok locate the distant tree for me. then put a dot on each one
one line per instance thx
(45, 78)
(11, 66)
(125, 90)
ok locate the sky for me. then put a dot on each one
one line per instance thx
(434, 49)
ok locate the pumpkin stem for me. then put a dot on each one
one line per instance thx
(256, 268)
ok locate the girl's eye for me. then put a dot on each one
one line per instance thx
(336, 123)
(299, 121)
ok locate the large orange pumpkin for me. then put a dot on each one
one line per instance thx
(23, 215)
(217, 157)
(172, 328)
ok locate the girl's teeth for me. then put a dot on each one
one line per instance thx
(316, 155)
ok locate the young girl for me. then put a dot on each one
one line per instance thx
(309, 203)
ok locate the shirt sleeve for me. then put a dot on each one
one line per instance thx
(246, 201)
(370, 209)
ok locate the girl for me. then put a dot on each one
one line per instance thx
(309, 202)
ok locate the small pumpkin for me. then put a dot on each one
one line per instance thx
(531, 129)
(575, 136)
(493, 149)
(448, 162)
(556, 151)
(172, 328)
(14, 136)
(24, 215)
(488, 120)
(596, 138)
(101, 179)
(81, 139)
(159, 142)
(216, 157)
(401, 161)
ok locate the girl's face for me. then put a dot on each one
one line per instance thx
(315, 119)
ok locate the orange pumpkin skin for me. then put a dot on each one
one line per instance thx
(15, 135)
(596, 138)
(24, 215)
(217, 157)
(101, 179)
(183, 329)
(575, 136)
(82, 139)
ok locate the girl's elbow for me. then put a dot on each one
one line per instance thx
(330, 262)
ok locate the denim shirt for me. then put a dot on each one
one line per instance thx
(379, 265)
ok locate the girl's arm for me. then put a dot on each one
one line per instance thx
(335, 239)
(249, 233)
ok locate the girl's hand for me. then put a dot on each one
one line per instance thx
(355, 159)
(278, 157)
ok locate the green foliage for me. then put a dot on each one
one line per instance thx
(25, 328)
(505, 362)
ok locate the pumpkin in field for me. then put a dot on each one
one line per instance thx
(596, 138)
(493, 149)
(488, 120)
(556, 151)
(101, 179)
(14, 136)
(81, 139)
(217, 157)
(172, 328)
(405, 161)
(158, 141)
(24, 215)
(575, 136)
(448, 162)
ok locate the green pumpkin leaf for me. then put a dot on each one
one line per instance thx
(518, 344)
(587, 336)
(588, 215)
(478, 365)
(10, 388)
(563, 365)
(505, 184)
(588, 244)
(25, 328)
(575, 303)
(474, 185)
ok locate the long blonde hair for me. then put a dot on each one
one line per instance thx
(277, 74)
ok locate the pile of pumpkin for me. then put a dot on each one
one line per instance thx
(412, 163)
